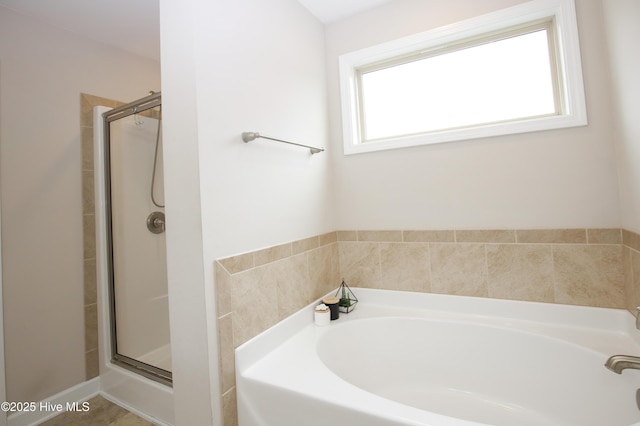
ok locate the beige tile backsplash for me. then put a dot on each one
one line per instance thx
(593, 267)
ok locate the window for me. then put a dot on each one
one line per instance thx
(507, 77)
(512, 71)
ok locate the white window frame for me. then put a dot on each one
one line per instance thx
(569, 66)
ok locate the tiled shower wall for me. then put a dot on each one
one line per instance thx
(593, 267)
(87, 102)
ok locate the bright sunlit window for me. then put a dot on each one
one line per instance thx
(466, 82)
(498, 80)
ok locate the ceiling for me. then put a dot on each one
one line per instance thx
(328, 11)
(133, 25)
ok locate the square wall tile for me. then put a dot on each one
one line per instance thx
(292, 280)
(589, 275)
(459, 269)
(323, 271)
(360, 263)
(405, 267)
(520, 272)
(254, 302)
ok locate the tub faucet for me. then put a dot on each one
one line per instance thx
(617, 363)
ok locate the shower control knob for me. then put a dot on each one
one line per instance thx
(155, 222)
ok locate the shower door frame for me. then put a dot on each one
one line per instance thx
(154, 373)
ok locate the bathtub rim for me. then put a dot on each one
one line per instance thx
(611, 320)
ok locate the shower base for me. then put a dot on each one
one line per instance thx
(160, 357)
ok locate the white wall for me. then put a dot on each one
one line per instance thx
(261, 68)
(230, 67)
(43, 71)
(192, 322)
(563, 178)
(622, 19)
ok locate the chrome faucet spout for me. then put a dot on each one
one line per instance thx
(617, 363)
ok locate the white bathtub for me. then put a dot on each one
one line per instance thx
(421, 359)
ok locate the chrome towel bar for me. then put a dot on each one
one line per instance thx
(250, 136)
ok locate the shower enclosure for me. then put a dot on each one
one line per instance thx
(131, 224)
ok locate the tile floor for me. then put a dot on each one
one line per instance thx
(101, 413)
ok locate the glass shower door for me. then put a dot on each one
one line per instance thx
(139, 300)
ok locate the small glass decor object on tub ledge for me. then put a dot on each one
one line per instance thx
(348, 300)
